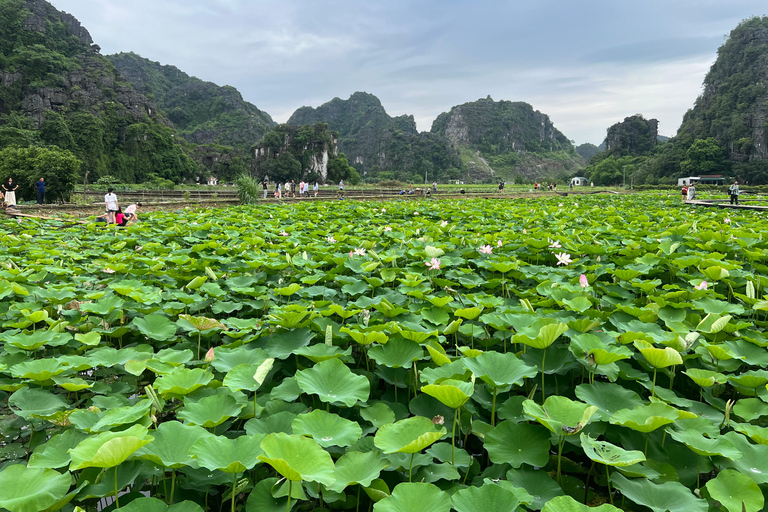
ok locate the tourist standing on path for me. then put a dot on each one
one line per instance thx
(10, 192)
(40, 184)
(501, 187)
(110, 200)
(434, 187)
(315, 188)
(265, 186)
(691, 192)
(733, 190)
(684, 193)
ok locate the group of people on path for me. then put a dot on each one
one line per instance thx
(115, 214)
(688, 192)
(8, 196)
(289, 189)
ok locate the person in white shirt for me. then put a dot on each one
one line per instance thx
(130, 213)
(315, 188)
(111, 202)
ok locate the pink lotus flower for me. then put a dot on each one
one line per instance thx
(444, 223)
(525, 231)
(434, 264)
(351, 254)
(727, 220)
(387, 228)
(209, 356)
(583, 281)
(108, 270)
(598, 258)
(702, 286)
(498, 243)
(331, 240)
(485, 249)
(563, 258)
(360, 252)
(555, 245)
(284, 233)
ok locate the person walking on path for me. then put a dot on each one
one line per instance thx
(684, 193)
(110, 200)
(733, 190)
(10, 192)
(691, 193)
(40, 185)
(265, 186)
(315, 189)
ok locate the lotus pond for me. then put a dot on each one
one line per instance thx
(475, 355)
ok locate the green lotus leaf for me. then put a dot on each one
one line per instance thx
(750, 409)
(225, 359)
(657, 357)
(561, 415)
(109, 449)
(366, 337)
(39, 370)
(753, 461)
(262, 500)
(327, 429)
(90, 339)
(198, 323)
(668, 496)
(227, 455)
(410, 435)
(242, 377)
(408, 497)
(333, 382)
(358, 468)
(29, 402)
(183, 381)
(713, 323)
(156, 505)
(321, 352)
(444, 452)
(702, 445)
(517, 444)
(705, 378)
(122, 416)
(72, 384)
(755, 433)
(452, 393)
(736, 492)
(172, 443)
(647, 418)
(750, 380)
(55, 453)
(545, 337)
(378, 414)
(717, 307)
(431, 473)
(276, 422)
(155, 327)
(609, 454)
(538, 483)
(497, 369)
(568, 504)
(24, 489)
(468, 313)
(210, 411)
(298, 458)
(397, 353)
(608, 397)
(37, 339)
(453, 327)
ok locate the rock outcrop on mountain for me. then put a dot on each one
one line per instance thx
(56, 89)
(511, 138)
(634, 136)
(202, 112)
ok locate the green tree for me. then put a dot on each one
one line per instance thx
(705, 156)
(58, 167)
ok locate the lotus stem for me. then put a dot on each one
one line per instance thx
(410, 469)
(653, 389)
(173, 483)
(254, 404)
(117, 500)
(608, 480)
(559, 457)
(493, 407)
(543, 395)
(453, 437)
(357, 508)
(290, 491)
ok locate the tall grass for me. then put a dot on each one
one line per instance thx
(249, 189)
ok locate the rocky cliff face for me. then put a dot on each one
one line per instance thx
(203, 112)
(510, 138)
(377, 145)
(634, 136)
(733, 107)
(295, 152)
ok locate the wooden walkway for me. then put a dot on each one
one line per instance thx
(11, 212)
(713, 203)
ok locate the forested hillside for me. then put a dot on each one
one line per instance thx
(202, 112)
(57, 91)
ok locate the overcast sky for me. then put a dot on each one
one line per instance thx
(586, 64)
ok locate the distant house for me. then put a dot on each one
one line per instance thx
(704, 179)
(213, 181)
(579, 182)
